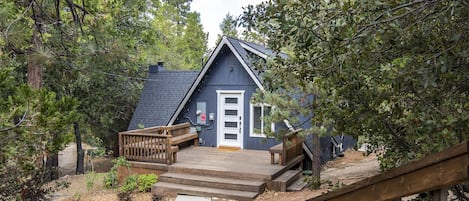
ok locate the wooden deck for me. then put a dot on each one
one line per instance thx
(251, 163)
(221, 173)
(242, 162)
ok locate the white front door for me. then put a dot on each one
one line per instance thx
(230, 118)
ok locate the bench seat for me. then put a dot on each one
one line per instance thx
(277, 149)
(176, 140)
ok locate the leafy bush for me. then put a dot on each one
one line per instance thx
(142, 183)
(145, 181)
(111, 180)
(130, 184)
(312, 182)
(96, 142)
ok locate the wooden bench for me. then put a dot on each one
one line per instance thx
(291, 146)
(184, 138)
(277, 149)
(181, 133)
(158, 144)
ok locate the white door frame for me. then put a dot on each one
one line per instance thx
(220, 117)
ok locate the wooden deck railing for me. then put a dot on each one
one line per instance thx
(435, 173)
(147, 147)
(153, 144)
(290, 148)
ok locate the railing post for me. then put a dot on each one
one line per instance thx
(121, 149)
(168, 152)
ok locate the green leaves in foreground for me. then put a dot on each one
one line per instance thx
(395, 72)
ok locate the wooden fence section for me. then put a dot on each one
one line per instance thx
(153, 144)
(435, 172)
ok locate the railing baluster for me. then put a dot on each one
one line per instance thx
(149, 144)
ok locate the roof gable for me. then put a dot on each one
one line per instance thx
(240, 53)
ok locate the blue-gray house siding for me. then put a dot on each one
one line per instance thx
(171, 97)
(226, 73)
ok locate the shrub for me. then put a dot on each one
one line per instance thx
(111, 180)
(145, 181)
(130, 184)
(141, 183)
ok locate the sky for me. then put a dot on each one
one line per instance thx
(212, 13)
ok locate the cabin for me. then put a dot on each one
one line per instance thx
(211, 111)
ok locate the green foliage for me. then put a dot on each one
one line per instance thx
(77, 196)
(88, 53)
(129, 185)
(93, 52)
(96, 142)
(90, 178)
(142, 183)
(111, 180)
(179, 37)
(394, 71)
(140, 126)
(312, 182)
(228, 27)
(145, 181)
(32, 122)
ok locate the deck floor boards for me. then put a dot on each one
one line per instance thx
(240, 161)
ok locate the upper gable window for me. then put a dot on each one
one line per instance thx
(257, 123)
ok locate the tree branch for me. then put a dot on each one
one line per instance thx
(17, 19)
(23, 118)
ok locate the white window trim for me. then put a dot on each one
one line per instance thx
(251, 120)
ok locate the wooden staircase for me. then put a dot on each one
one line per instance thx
(225, 184)
(209, 183)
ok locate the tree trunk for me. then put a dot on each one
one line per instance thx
(34, 66)
(80, 153)
(52, 164)
(316, 157)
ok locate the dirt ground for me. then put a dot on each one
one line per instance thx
(354, 166)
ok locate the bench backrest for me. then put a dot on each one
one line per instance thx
(178, 129)
(292, 146)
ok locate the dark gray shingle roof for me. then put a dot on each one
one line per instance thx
(161, 95)
(267, 51)
(248, 59)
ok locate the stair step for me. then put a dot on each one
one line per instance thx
(169, 188)
(298, 185)
(283, 181)
(213, 182)
(219, 173)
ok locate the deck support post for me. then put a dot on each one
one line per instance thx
(440, 194)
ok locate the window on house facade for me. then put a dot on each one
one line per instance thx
(258, 126)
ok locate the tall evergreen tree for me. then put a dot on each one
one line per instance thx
(180, 40)
(228, 27)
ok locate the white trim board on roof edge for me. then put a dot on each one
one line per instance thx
(253, 50)
(204, 70)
